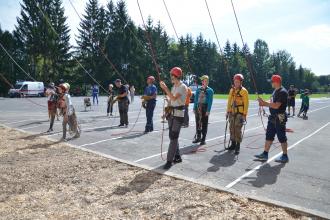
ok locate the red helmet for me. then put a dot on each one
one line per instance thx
(276, 79)
(151, 78)
(239, 76)
(176, 71)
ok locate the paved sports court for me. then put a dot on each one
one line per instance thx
(303, 183)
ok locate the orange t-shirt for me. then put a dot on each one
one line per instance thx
(189, 93)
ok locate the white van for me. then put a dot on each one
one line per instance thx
(27, 88)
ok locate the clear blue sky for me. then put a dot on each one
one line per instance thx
(302, 27)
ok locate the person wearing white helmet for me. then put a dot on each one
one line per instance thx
(67, 110)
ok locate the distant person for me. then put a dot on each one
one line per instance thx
(202, 109)
(123, 103)
(52, 109)
(95, 94)
(132, 93)
(175, 114)
(291, 100)
(186, 108)
(110, 100)
(304, 105)
(237, 110)
(276, 120)
(149, 101)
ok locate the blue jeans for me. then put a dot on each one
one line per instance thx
(150, 114)
(95, 96)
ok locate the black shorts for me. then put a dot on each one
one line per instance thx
(274, 127)
(292, 102)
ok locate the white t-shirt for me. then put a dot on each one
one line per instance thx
(181, 89)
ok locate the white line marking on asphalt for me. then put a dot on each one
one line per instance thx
(212, 139)
(230, 185)
(110, 139)
(15, 122)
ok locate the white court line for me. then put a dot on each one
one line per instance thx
(20, 121)
(105, 140)
(212, 139)
(223, 136)
(230, 185)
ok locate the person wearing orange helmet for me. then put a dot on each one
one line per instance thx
(175, 116)
(276, 120)
(149, 102)
(237, 110)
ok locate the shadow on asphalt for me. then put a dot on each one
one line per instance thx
(266, 175)
(226, 159)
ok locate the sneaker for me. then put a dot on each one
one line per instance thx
(196, 140)
(203, 142)
(232, 146)
(121, 125)
(237, 149)
(177, 159)
(167, 166)
(262, 156)
(49, 130)
(282, 159)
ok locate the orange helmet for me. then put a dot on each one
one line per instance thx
(239, 76)
(176, 71)
(276, 79)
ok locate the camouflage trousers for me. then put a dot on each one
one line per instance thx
(236, 122)
(74, 128)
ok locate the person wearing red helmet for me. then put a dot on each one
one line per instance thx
(237, 110)
(149, 102)
(276, 120)
(175, 116)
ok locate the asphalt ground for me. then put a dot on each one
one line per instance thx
(303, 183)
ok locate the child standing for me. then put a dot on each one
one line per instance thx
(304, 105)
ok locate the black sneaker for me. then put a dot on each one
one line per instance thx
(196, 140)
(237, 149)
(121, 125)
(167, 166)
(232, 146)
(177, 159)
(203, 142)
(49, 130)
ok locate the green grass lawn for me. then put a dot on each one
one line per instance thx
(267, 96)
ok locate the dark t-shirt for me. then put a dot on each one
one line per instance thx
(292, 93)
(279, 95)
(122, 90)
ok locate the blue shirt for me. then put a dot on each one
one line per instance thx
(150, 90)
(95, 90)
(208, 98)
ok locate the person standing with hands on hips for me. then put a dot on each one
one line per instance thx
(202, 107)
(276, 120)
(176, 98)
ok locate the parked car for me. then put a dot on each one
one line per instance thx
(27, 88)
